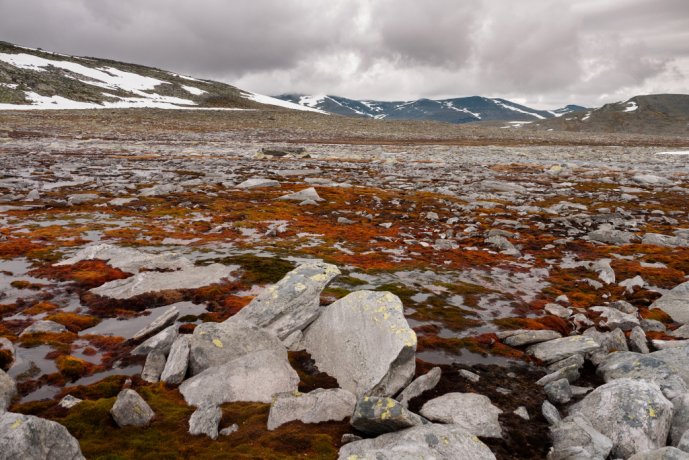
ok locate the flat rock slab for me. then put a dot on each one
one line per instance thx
(675, 303)
(158, 324)
(364, 341)
(314, 407)
(130, 409)
(142, 283)
(306, 194)
(558, 349)
(420, 385)
(473, 412)
(253, 377)
(177, 362)
(633, 414)
(257, 182)
(129, 260)
(161, 342)
(44, 326)
(378, 415)
(531, 337)
(292, 303)
(430, 441)
(213, 344)
(25, 437)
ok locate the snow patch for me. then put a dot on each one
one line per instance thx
(517, 109)
(311, 101)
(450, 105)
(631, 106)
(261, 99)
(193, 90)
(679, 152)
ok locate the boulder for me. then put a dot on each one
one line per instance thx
(177, 362)
(558, 391)
(129, 260)
(628, 365)
(675, 302)
(473, 412)
(252, 377)
(550, 413)
(575, 437)
(25, 437)
(609, 235)
(364, 341)
(677, 359)
(145, 282)
(257, 182)
(430, 441)
(614, 318)
(130, 409)
(576, 360)
(154, 366)
(634, 414)
(570, 373)
(637, 340)
(531, 337)
(158, 324)
(314, 407)
(205, 420)
(664, 453)
(558, 349)
(44, 326)
(291, 304)
(161, 342)
(680, 419)
(69, 401)
(378, 415)
(420, 385)
(306, 194)
(213, 344)
(684, 442)
(8, 390)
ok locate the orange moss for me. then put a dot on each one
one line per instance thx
(86, 274)
(73, 368)
(40, 307)
(550, 322)
(73, 321)
(17, 247)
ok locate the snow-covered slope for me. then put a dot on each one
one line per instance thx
(32, 79)
(457, 110)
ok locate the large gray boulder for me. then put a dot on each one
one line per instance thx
(634, 414)
(664, 453)
(253, 377)
(680, 418)
(675, 303)
(378, 415)
(130, 409)
(25, 437)
(575, 437)
(314, 407)
(430, 441)
(420, 385)
(677, 360)
(213, 344)
(629, 365)
(558, 349)
(8, 390)
(177, 362)
(364, 341)
(473, 412)
(291, 304)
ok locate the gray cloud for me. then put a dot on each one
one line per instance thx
(541, 52)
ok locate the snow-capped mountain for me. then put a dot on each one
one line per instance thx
(35, 79)
(457, 110)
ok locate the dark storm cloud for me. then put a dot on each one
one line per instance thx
(543, 52)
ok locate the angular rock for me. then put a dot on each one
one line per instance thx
(69, 401)
(667, 241)
(145, 282)
(430, 441)
(8, 390)
(577, 360)
(532, 337)
(675, 302)
(229, 430)
(291, 304)
(306, 194)
(558, 349)
(44, 326)
(252, 377)
(637, 340)
(25, 437)
(161, 342)
(628, 365)
(473, 412)
(378, 415)
(634, 414)
(129, 260)
(604, 270)
(550, 413)
(651, 325)
(680, 419)
(470, 376)
(684, 442)
(616, 319)
(522, 412)
(314, 407)
(575, 437)
(420, 385)
(665, 344)
(558, 391)
(624, 307)
(677, 359)
(257, 182)
(213, 344)
(158, 324)
(205, 420)
(569, 373)
(609, 235)
(681, 332)
(364, 341)
(557, 310)
(177, 362)
(664, 453)
(130, 409)
(154, 366)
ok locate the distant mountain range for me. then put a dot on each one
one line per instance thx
(666, 114)
(456, 110)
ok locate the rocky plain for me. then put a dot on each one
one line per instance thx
(270, 284)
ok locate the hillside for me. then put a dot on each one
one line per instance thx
(456, 110)
(658, 114)
(36, 79)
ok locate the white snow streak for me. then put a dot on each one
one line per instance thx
(631, 106)
(193, 90)
(517, 109)
(261, 99)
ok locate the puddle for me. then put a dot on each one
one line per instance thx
(36, 355)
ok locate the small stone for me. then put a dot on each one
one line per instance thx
(577, 360)
(558, 349)
(205, 420)
(651, 325)
(558, 392)
(522, 412)
(69, 401)
(378, 415)
(570, 373)
(349, 437)
(161, 342)
(550, 413)
(130, 409)
(470, 376)
(473, 412)
(557, 310)
(421, 384)
(154, 366)
(637, 340)
(229, 430)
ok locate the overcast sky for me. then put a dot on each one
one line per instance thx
(545, 53)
